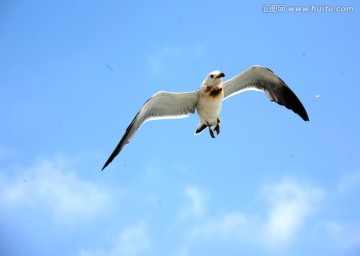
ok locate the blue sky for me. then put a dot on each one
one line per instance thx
(74, 73)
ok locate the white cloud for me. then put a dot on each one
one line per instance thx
(348, 182)
(49, 185)
(132, 241)
(227, 226)
(290, 205)
(198, 199)
(346, 236)
(344, 229)
(287, 205)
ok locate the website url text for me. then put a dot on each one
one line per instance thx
(282, 8)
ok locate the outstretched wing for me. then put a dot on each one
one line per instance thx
(162, 105)
(263, 79)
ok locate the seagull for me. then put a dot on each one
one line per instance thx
(207, 101)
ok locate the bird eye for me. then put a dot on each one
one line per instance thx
(212, 76)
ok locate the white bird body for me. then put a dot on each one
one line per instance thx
(209, 107)
(207, 100)
(209, 103)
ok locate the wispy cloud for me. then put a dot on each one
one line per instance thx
(346, 236)
(195, 206)
(344, 230)
(350, 181)
(287, 205)
(51, 186)
(227, 226)
(290, 204)
(131, 241)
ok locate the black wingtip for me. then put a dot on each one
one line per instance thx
(116, 150)
(286, 97)
(300, 110)
(306, 118)
(112, 156)
(106, 164)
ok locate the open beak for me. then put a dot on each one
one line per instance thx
(220, 75)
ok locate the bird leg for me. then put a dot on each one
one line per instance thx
(211, 132)
(217, 127)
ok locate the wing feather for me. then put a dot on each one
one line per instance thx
(263, 79)
(162, 105)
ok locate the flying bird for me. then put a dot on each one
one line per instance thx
(207, 101)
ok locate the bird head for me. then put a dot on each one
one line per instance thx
(214, 78)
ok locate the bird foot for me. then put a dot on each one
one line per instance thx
(211, 133)
(217, 129)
